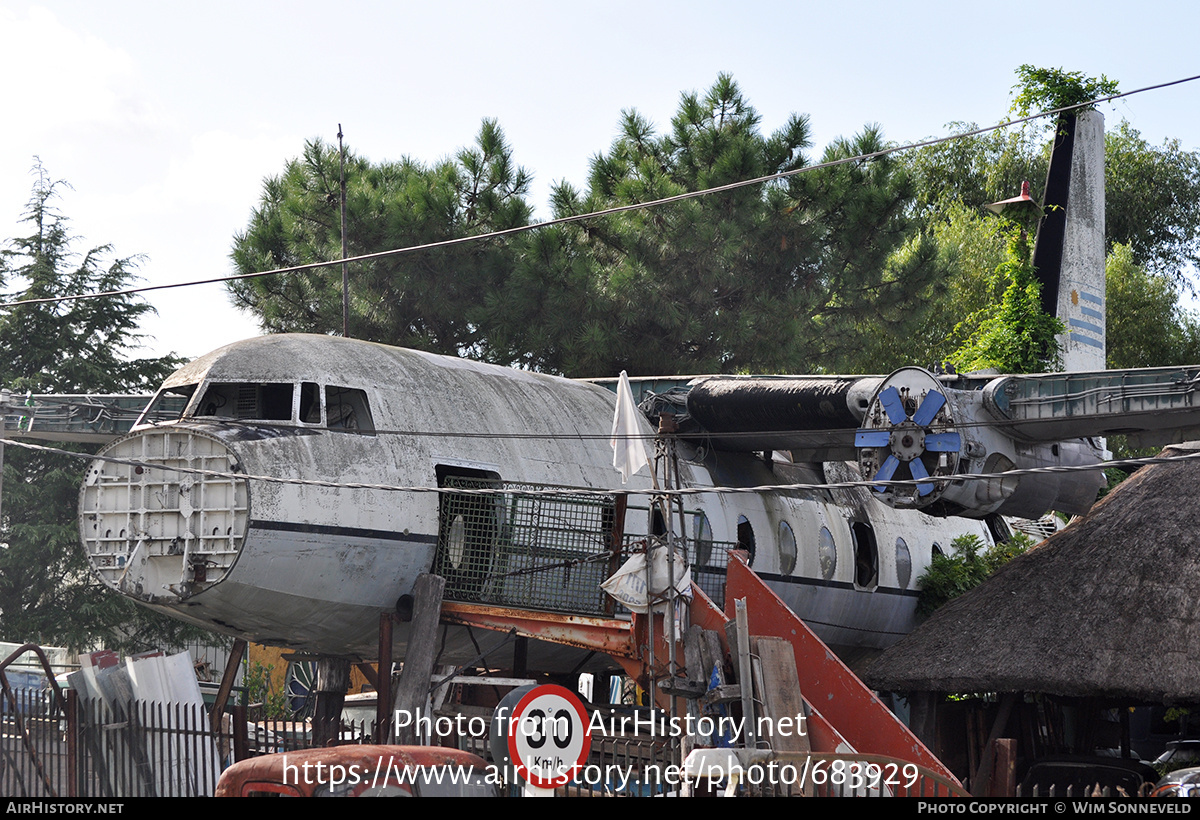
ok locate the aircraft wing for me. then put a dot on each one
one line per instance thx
(914, 424)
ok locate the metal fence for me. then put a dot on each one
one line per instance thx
(79, 748)
(86, 748)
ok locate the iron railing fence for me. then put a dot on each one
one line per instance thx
(33, 755)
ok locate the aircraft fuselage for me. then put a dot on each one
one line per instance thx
(312, 566)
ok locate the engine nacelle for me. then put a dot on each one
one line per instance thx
(916, 427)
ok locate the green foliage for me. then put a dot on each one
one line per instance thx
(858, 268)
(47, 594)
(1015, 336)
(949, 576)
(974, 171)
(972, 247)
(1147, 326)
(72, 346)
(806, 274)
(1152, 201)
(1047, 89)
(261, 690)
(428, 301)
(1152, 194)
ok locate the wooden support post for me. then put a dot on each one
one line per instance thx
(983, 775)
(333, 679)
(241, 740)
(1004, 779)
(383, 681)
(922, 717)
(412, 690)
(227, 679)
(745, 676)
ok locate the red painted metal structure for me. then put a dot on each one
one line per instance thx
(850, 717)
(846, 703)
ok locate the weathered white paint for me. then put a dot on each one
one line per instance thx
(1081, 292)
(312, 568)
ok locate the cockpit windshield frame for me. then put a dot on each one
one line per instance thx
(298, 404)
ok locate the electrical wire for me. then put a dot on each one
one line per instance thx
(446, 243)
(1186, 384)
(601, 493)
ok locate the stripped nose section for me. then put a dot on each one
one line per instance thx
(155, 530)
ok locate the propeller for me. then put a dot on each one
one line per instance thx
(908, 438)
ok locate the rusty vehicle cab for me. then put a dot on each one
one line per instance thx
(361, 771)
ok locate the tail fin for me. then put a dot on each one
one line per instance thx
(1069, 252)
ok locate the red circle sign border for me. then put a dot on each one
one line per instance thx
(571, 698)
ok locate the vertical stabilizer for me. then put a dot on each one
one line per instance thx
(1070, 245)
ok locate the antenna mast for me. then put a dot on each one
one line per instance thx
(345, 274)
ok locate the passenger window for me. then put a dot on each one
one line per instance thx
(787, 548)
(745, 537)
(347, 409)
(703, 539)
(866, 556)
(827, 550)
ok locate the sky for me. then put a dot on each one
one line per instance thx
(165, 118)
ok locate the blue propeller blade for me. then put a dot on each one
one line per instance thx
(886, 472)
(918, 471)
(928, 409)
(943, 442)
(893, 406)
(872, 438)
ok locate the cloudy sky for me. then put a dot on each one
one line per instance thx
(165, 117)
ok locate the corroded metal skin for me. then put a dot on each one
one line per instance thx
(312, 567)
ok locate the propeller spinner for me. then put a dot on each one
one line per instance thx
(908, 432)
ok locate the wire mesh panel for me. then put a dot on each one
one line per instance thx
(529, 551)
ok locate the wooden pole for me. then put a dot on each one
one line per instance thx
(412, 690)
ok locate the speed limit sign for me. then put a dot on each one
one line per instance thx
(549, 737)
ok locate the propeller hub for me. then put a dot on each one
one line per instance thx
(908, 434)
(907, 441)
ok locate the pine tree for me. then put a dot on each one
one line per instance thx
(428, 300)
(805, 274)
(47, 594)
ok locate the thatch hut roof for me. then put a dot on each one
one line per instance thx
(1108, 607)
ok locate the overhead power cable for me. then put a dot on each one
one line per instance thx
(446, 243)
(601, 493)
(49, 405)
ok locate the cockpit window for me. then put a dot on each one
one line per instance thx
(260, 402)
(168, 405)
(337, 408)
(310, 403)
(347, 409)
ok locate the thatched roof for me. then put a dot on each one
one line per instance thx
(1108, 607)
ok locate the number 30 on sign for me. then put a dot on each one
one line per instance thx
(549, 737)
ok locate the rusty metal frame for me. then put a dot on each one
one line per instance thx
(611, 636)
